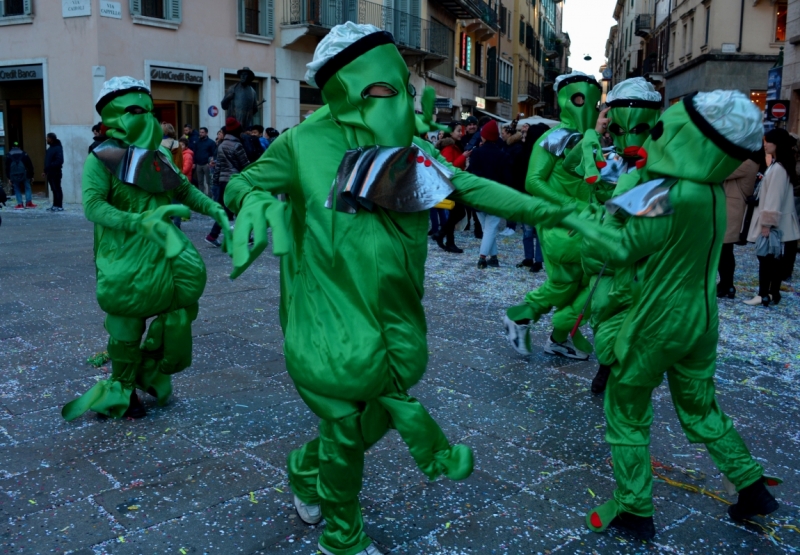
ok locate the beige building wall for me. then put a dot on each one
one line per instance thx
(78, 53)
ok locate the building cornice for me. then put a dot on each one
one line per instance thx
(717, 57)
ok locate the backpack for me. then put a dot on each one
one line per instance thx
(17, 172)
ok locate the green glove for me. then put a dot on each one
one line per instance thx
(155, 226)
(221, 217)
(259, 210)
(592, 156)
(425, 121)
(548, 214)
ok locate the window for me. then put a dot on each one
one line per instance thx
(780, 21)
(256, 17)
(503, 27)
(15, 7)
(685, 36)
(168, 10)
(672, 46)
(508, 25)
(691, 36)
(479, 60)
(521, 33)
(708, 24)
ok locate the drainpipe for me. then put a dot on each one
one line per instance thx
(741, 27)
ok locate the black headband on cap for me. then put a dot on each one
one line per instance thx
(726, 146)
(578, 79)
(634, 103)
(341, 59)
(114, 94)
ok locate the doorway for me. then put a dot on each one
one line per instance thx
(177, 104)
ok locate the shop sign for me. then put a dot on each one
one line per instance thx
(110, 9)
(480, 103)
(76, 8)
(20, 73)
(774, 79)
(187, 76)
(443, 103)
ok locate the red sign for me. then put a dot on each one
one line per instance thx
(778, 111)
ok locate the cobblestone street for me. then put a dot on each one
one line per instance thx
(206, 474)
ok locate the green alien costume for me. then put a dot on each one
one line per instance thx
(634, 108)
(548, 179)
(145, 267)
(672, 241)
(352, 274)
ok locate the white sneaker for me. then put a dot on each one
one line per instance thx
(370, 550)
(518, 335)
(565, 349)
(507, 231)
(755, 301)
(310, 514)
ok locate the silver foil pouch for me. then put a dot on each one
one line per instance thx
(647, 200)
(150, 170)
(560, 140)
(401, 179)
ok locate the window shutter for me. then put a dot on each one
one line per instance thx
(27, 8)
(2, 9)
(267, 25)
(241, 15)
(172, 10)
(136, 7)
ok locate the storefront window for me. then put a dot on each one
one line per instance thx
(759, 98)
(780, 22)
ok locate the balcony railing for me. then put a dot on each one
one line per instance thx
(644, 25)
(488, 15)
(526, 88)
(409, 31)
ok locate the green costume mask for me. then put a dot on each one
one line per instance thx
(631, 122)
(371, 94)
(142, 130)
(578, 97)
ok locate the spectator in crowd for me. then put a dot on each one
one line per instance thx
(519, 173)
(203, 159)
(512, 144)
(252, 144)
(490, 162)
(450, 149)
(53, 164)
(469, 130)
(231, 159)
(271, 134)
(258, 131)
(191, 135)
(469, 140)
(98, 136)
(775, 218)
(738, 186)
(171, 143)
(188, 158)
(19, 170)
(220, 135)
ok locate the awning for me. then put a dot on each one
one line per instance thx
(533, 120)
(493, 116)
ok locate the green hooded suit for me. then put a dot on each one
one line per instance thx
(145, 267)
(548, 179)
(352, 281)
(672, 246)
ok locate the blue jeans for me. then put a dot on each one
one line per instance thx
(489, 223)
(18, 191)
(438, 218)
(532, 251)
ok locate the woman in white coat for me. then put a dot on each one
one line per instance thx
(775, 213)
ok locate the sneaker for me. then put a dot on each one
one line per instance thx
(565, 349)
(755, 301)
(526, 263)
(507, 232)
(493, 262)
(536, 268)
(451, 247)
(726, 292)
(482, 263)
(601, 379)
(29, 204)
(59, 209)
(214, 242)
(51, 209)
(753, 500)
(519, 335)
(310, 514)
(370, 550)
(19, 207)
(640, 527)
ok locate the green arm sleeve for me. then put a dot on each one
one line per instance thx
(273, 173)
(540, 168)
(486, 195)
(188, 194)
(638, 238)
(96, 186)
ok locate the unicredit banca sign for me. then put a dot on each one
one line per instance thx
(187, 76)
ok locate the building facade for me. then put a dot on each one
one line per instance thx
(790, 89)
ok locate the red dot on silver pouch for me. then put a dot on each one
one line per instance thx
(420, 159)
(428, 163)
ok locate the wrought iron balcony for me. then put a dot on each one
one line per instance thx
(644, 25)
(409, 31)
(528, 91)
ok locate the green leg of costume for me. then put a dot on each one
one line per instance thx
(629, 414)
(329, 470)
(112, 396)
(565, 317)
(605, 335)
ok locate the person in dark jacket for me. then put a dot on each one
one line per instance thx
(252, 143)
(99, 136)
(192, 136)
(19, 171)
(519, 170)
(204, 154)
(231, 159)
(489, 161)
(53, 164)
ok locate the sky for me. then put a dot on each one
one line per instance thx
(588, 23)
